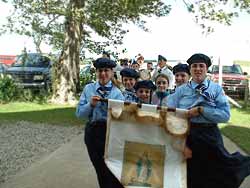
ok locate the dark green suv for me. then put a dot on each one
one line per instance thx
(31, 70)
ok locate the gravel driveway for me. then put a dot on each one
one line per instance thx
(22, 143)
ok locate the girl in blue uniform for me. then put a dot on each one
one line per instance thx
(181, 74)
(209, 164)
(129, 79)
(159, 97)
(144, 90)
(95, 111)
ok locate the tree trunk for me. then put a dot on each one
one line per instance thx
(37, 39)
(66, 78)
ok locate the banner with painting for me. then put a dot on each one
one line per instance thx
(144, 145)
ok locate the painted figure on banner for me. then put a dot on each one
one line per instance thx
(143, 165)
(144, 168)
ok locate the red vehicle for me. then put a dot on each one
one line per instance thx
(7, 59)
(234, 80)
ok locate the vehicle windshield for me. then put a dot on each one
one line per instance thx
(233, 69)
(31, 60)
(1, 67)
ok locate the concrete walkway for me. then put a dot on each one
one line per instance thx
(67, 167)
(70, 167)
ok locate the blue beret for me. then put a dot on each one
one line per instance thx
(145, 84)
(104, 63)
(196, 58)
(160, 58)
(129, 73)
(181, 68)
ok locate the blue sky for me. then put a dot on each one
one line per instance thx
(175, 36)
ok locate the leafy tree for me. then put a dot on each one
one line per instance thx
(68, 25)
(208, 12)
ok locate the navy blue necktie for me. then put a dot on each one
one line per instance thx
(104, 91)
(200, 88)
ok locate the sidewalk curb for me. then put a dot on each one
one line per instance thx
(69, 166)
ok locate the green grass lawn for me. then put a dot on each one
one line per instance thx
(237, 129)
(48, 113)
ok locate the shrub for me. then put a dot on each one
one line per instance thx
(8, 89)
(10, 92)
(86, 78)
(31, 95)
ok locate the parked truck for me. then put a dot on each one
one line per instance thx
(234, 80)
(31, 70)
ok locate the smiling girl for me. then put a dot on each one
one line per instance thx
(144, 90)
(129, 78)
(160, 95)
(95, 111)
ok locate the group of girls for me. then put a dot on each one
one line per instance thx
(209, 164)
(91, 107)
(151, 91)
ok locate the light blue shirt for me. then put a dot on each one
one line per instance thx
(216, 106)
(99, 112)
(130, 96)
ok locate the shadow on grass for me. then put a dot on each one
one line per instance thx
(243, 110)
(239, 135)
(59, 116)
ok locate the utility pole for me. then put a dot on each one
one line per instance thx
(220, 72)
(246, 96)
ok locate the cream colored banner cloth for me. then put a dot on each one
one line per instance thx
(144, 145)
